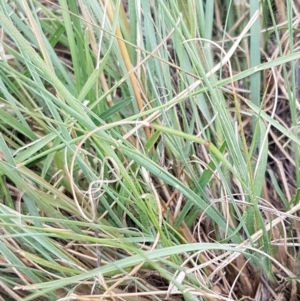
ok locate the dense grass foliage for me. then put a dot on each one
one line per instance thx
(149, 150)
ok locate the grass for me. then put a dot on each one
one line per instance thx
(149, 150)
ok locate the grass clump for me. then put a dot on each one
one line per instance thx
(149, 150)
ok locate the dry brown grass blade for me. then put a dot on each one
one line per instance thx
(10, 292)
(133, 79)
(281, 10)
(247, 288)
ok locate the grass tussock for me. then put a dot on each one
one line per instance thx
(149, 150)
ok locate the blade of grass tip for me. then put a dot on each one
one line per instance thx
(10, 121)
(273, 122)
(94, 76)
(117, 108)
(55, 34)
(31, 149)
(134, 82)
(278, 190)
(6, 153)
(261, 165)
